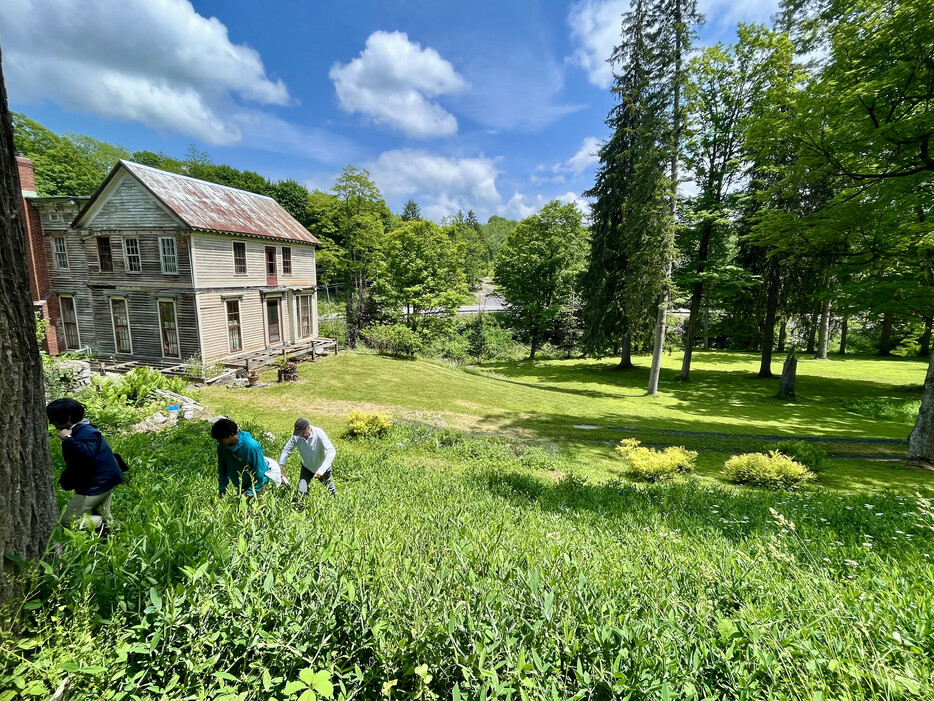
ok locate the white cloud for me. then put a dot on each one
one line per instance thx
(439, 184)
(154, 61)
(520, 207)
(586, 157)
(279, 136)
(596, 28)
(725, 14)
(392, 81)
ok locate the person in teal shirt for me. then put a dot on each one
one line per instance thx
(240, 459)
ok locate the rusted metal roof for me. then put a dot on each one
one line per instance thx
(211, 207)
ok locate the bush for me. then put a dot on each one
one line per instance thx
(392, 340)
(807, 454)
(120, 401)
(367, 424)
(775, 470)
(654, 465)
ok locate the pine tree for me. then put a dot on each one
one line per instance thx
(411, 211)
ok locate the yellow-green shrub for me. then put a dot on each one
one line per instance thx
(366, 424)
(774, 470)
(653, 465)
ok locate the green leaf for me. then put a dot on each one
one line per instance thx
(321, 682)
(293, 687)
(92, 670)
(307, 675)
(308, 695)
(155, 598)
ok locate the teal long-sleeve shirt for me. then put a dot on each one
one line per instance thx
(243, 460)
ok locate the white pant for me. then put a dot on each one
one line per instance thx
(89, 509)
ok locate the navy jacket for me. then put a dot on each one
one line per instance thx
(90, 466)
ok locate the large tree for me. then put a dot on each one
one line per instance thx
(29, 509)
(631, 232)
(726, 84)
(538, 266)
(424, 276)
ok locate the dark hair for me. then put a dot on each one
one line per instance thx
(223, 428)
(62, 411)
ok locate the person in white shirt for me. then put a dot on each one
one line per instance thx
(316, 452)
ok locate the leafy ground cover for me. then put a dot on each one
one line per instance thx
(464, 567)
(724, 410)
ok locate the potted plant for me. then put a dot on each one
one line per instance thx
(252, 378)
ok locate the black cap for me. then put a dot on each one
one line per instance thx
(301, 426)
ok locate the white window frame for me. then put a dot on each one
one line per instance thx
(282, 251)
(178, 341)
(246, 268)
(311, 317)
(126, 255)
(56, 253)
(163, 257)
(61, 311)
(113, 323)
(230, 350)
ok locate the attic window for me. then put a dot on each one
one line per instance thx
(105, 254)
(239, 249)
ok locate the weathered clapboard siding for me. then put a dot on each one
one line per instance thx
(145, 329)
(129, 205)
(214, 262)
(151, 274)
(213, 309)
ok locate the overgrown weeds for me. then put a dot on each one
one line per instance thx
(448, 568)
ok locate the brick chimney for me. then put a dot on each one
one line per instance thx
(36, 263)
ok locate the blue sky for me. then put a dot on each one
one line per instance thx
(492, 106)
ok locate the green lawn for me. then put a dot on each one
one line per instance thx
(544, 401)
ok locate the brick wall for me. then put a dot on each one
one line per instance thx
(36, 264)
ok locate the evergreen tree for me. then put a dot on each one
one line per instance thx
(411, 211)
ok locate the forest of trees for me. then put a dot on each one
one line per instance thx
(777, 192)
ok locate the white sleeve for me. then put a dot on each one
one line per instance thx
(287, 450)
(329, 452)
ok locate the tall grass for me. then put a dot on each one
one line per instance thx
(457, 567)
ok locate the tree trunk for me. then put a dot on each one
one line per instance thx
(812, 333)
(789, 371)
(782, 334)
(921, 440)
(768, 328)
(925, 349)
(662, 318)
(844, 326)
(824, 334)
(706, 327)
(29, 510)
(696, 297)
(625, 360)
(533, 346)
(885, 341)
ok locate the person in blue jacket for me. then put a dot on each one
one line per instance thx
(91, 469)
(240, 459)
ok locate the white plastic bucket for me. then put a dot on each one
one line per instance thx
(173, 412)
(188, 411)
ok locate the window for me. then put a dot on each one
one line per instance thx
(131, 251)
(61, 253)
(104, 254)
(271, 261)
(70, 323)
(239, 258)
(233, 325)
(121, 319)
(168, 256)
(169, 328)
(304, 315)
(286, 260)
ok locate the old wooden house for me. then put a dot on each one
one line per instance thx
(159, 267)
